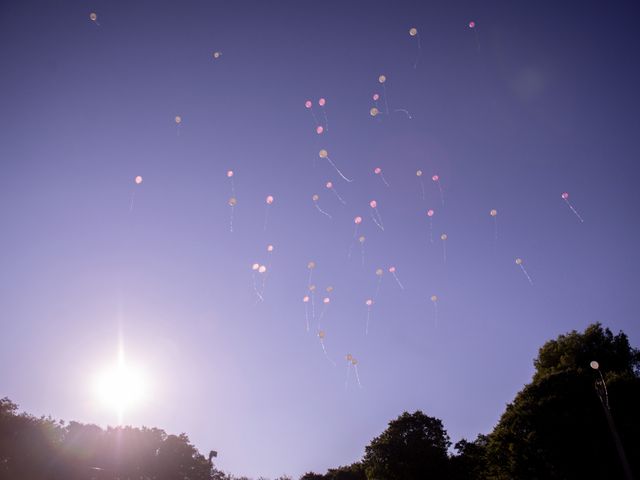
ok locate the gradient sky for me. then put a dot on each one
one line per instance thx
(541, 98)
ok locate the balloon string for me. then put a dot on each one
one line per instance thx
(421, 187)
(133, 194)
(375, 220)
(355, 369)
(321, 211)
(406, 112)
(435, 305)
(574, 211)
(366, 329)
(526, 274)
(346, 383)
(326, 121)
(324, 350)
(398, 280)
(384, 180)
(338, 170)
(444, 251)
(415, 64)
(324, 309)
(339, 197)
(430, 230)
(266, 218)
(362, 253)
(255, 288)
(441, 193)
(378, 286)
(231, 221)
(306, 315)
(386, 105)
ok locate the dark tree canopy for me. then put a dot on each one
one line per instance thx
(556, 427)
(413, 446)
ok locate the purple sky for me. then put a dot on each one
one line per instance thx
(537, 100)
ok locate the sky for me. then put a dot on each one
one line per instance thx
(539, 98)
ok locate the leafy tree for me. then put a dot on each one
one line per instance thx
(414, 446)
(556, 427)
(471, 461)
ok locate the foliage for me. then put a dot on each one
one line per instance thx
(413, 446)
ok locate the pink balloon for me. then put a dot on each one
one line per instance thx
(376, 97)
(392, 269)
(269, 199)
(308, 104)
(435, 178)
(565, 195)
(377, 170)
(230, 173)
(138, 180)
(319, 129)
(357, 220)
(369, 302)
(321, 102)
(472, 24)
(430, 213)
(329, 185)
(373, 204)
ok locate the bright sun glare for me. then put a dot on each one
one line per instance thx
(121, 388)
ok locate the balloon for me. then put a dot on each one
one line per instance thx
(349, 357)
(329, 185)
(321, 334)
(443, 236)
(217, 54)
(493, 212)
(392, 269)
(321, 102)
(323, 153)
(311, 265)
(434, 298)
(326, 300)
(361, 239)
(413, 32)
(382, 79)
(430, 213)
(418, 173)
(93, 16)
(369, 302)
(229, 173)
(377, 170)
(376, 97)
(472, 24)
(269, 199)
(233, 202)
(305, 299)
(255, 266)
(565, 195)
(374, 111)
(178, 119)
(329, 289)
(269, 248)
(518, 261)
(354, 362)
(373, 204)
(435, 178)
(319, 129)
(312, 288)
(138, 180)
(357, 220)
(308, 104)
(595, 365)
(379, 272)
(315, 197)
(262, 269)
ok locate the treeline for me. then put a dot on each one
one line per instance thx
(572, 421)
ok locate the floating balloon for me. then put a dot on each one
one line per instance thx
(375, 214)
(444, 237)
(324, 154)
(376, 97)
(322, 102)
(138, 180)
(382, 79)
(392, 270)
(315, 199)
(262, 269)
(436, 179)
(319, 129)
(434, 299)
(352, 363)
(413, 32)
(257, 268)
(472, 24)
(374, 112)
(329, 289)
(369, 304)
(229, 173)
(430, 214)
(565, 197)
(329, 186)
(321, 337)
(217, 55)
(269, 248)
(269, 201)
(378, 171)
(419, 175)
(94, 18)
(178, 119)
(519, 262)
(494, 214)
(232, 203)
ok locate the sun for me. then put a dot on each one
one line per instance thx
(121, 388)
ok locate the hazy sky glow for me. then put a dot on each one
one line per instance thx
(538, 99)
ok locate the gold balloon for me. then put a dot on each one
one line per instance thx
(349, 357)
(434, 298)
(518, 261)
(329, 289)
(93, 17)
(323, 153)
(379, 272)
(374, 111)
(233, 202)
(178, 119)
(493, 212)
(315, 197)
(321, 334)
(413, 32)
(312, 288)
(311, 265)
(443, 236)
(361, 239)
(419, 173)
(382, 79)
